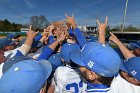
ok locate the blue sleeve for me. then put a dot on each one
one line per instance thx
(70, 31)
(80, 37)
(38, 37)
(19, 53)
(51, 40)
(45, 54)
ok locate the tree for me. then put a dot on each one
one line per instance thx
(6, 25)
(130, 28)
(39, 22)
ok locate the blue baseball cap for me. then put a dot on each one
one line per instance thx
(119, 53)
(4, 42)
(132, 67)
(93, 39)
(101, 59)
(27, 76)
(9, 63)
(66, 49)
(55, 60)
(71, 33)
(13, 35)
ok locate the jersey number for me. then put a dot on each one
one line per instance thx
(75, 86)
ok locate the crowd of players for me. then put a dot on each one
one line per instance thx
(61, 60)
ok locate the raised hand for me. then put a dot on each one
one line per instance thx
(114, 39)
(62, 36)
(31, 34)
(45, 33)
(102, 26)
(50, 29)
(70, 20)
(125, 51)
(102, 30)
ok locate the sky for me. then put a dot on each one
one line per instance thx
(85, 11)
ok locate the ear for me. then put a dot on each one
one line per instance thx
(5, 47)
(91, 75)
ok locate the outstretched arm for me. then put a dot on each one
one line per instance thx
(25, 48)
(48, 50)
(125, 51)
(79, 36)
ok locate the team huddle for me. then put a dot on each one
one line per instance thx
(61, 60)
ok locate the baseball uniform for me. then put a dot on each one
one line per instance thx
(120, 85)
(68, 80)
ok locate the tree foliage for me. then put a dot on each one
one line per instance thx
(6, 25)
(129, 28)
(39, 22)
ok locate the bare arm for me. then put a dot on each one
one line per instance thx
(30, 36)
(125, 51)
(59, 40)
(25, 48)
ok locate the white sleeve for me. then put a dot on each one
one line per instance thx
(24, 49)
(1, 65)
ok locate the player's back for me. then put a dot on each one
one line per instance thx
(68, 80)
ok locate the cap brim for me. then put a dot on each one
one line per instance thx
(75, 57)
(13, 42)
(46, 65)
(132, 66)
(123, 68)
(17, 36)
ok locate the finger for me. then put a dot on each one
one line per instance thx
(36, 32)
(72, 15)
(65, 33)
(106, 20)
(44, 30)
(65, 20)
(27, 32)
(98, 22)
(30, 28)
(66, 16)
(111, 33)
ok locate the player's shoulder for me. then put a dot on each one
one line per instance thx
(64, 70)
(60, 76)
(61, 71)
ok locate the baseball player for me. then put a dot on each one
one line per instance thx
(67, 79)
(128, 80)
(95, 53)
(99, 64)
